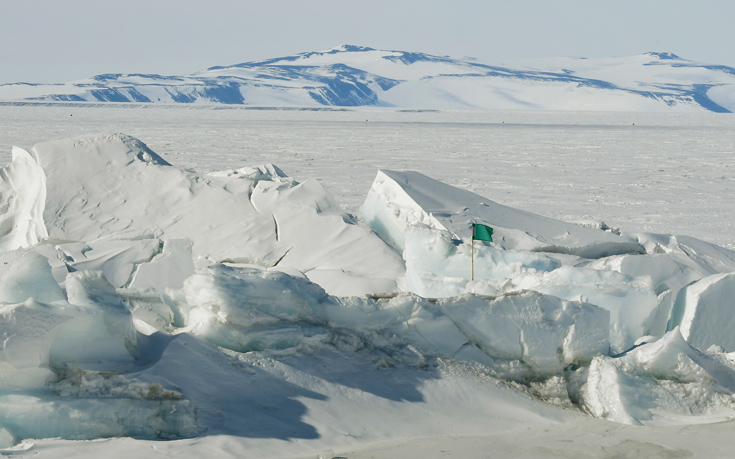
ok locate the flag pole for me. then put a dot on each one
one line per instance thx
(473, 251)
(481, 233)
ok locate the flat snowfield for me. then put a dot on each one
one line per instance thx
(271, 365)
(658, 172)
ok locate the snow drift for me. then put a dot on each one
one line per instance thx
(247, 309)
(249, 215)
(666, 380)
(633, 276)
(118, 267)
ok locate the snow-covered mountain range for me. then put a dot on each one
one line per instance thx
(359, 76)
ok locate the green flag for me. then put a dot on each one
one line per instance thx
(482, 233)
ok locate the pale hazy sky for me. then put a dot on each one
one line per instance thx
(58, 41)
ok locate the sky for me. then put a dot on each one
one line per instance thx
(45, 41)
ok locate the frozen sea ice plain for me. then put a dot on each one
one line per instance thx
(124, 276)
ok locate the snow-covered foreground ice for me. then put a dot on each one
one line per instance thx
(242, 312)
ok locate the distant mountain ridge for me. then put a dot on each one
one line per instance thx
(349, 76)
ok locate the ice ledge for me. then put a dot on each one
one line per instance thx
(23, 192)
(399, 200)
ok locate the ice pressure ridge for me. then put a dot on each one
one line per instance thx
(111, 256)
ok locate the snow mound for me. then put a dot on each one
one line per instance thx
(62, 351)
(246, 309)
(86, 405)
(636, 277)
(28, 331)
(86, 324)
(23, 194)
(666, 381)
(114, 187)
(103, 327)
(398, 200)
(704, 312)
(121, 275)
(27, 274)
